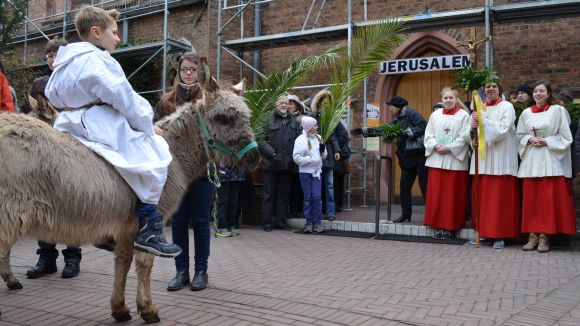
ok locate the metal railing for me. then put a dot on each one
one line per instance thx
(390, 187)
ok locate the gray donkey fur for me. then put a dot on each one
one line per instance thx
(57, 190)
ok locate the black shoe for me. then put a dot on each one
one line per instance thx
(448, 235)
(150, 239)
(199, 281)
(180, 280)
(42, 268)
(438, 235)
(267, 227)
(71, 269)
(283, 226)
(402, 219)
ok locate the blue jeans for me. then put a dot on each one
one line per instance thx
(195, 207)
(312, 198)
(328, 179)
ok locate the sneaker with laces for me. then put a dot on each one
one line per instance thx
(498, 244)
(318, 228)
(448, 235)
(223, 232)
(234, 231)
(308, 228)
(150, 239)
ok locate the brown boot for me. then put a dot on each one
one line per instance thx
(532, 242)
(544, 245)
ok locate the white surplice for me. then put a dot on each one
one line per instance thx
(103, 112)
(555, 159)
(453, 132)
(501, 142)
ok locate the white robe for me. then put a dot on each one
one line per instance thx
(555, 159)
(501, 143)
(453, 132)
(120, 130)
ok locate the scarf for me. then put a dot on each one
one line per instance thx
(543, 108)
(451, 111)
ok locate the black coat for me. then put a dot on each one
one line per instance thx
(413, 125)
(281, 132)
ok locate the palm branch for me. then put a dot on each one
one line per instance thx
(370, 45)
(262, 100)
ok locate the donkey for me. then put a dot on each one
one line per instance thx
(57, 190)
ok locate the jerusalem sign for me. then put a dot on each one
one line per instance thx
(403, 66)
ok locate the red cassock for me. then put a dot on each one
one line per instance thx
(500, 208)
(446, 206)
(548, 205)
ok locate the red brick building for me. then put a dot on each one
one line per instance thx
(532, 40)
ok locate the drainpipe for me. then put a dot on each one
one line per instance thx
(257, 32)
(488, 32)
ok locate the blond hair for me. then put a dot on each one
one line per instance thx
(88, 16)
(456, 94)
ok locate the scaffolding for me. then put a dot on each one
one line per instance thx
(63, 23)
(484, 16)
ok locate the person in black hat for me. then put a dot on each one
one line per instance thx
(411, 159)
(524, 94)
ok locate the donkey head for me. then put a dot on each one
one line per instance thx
(41, 109)
(228, 122)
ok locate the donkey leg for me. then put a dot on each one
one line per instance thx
(145, 306)
(6, 272)
(123, 259)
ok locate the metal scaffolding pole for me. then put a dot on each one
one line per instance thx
(165, 36)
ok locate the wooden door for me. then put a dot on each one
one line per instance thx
(422, 90)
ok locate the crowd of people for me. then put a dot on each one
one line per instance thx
(524, 168)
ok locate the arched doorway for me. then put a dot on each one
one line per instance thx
(422, 90)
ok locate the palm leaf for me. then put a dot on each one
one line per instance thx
(262, 100)
(370, 45)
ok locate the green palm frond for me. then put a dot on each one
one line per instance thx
(262, 100)
(370, 45)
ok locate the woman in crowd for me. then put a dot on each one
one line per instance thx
(544, 147)
(447, 140)
(196, 204)
(499, 192)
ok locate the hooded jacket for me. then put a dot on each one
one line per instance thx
(331, 144)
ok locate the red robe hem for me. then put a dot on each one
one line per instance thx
(446, 206)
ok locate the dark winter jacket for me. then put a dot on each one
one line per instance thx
(276, 150)
(227, 175)
(341, 135)
(413, 125)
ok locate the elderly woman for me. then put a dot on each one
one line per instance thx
(447, 142)
(544, 147)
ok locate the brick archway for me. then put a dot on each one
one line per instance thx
(416, 45)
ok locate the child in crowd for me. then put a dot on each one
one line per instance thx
(308, 155)
(102, 111)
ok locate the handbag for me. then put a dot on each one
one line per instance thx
(415, 145)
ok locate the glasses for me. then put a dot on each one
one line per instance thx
(186, 70)
(51, 56)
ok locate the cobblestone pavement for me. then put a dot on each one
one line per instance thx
(283, 278)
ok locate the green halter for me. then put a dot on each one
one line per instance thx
(215, 144)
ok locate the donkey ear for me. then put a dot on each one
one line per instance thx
(204, 76)
(33, 103)
(240, 87)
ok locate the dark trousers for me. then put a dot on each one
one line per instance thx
(276, 192)
(48, 252)
(338, 190)
(407, 180)
(195, 208)
(295, 201)
(228, 204)
(312, 189)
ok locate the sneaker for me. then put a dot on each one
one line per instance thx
(267, 227)
(308, 229)
(482, 241)
(223, 232)
(332, 218)
(234, 231)
(448, 235)
(438, 235)
(498, 244)
(318, 228)
(150, 239)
